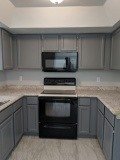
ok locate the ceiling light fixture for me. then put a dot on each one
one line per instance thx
(56, 1)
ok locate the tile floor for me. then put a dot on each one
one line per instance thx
(33, 148)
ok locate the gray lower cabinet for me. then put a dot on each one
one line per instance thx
(115, 51)
(108, 140)
(18, 124)
(83, 120)
(32, 118)
(50, 43)
(91, 51)
(30, 115)
(87, 117)
(29, 51)
(68, 43)
(93, 117)
(100, 127)
(116, 146)
(7, 137)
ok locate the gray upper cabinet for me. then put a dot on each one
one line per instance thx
(107, 51)
(91, 51)
(7, 50)
(108, 140)
(68, 43)
(15, 51)
(29, 51)
(50, 43)
(115, 51)
(18, 124)
(7, 137)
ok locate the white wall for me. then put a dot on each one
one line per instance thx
(57, 17)
(6, 12)
(85, 77)
(53, 17)
(106, 15)
(112, 8)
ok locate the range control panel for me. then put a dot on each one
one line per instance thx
(60, 81)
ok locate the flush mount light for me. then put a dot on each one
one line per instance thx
(56, 1)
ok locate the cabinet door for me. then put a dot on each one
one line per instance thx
(115, 53)
(0, 145)
(18, 124)
(50, 43)
(107, 51)
(1, 61)
(108, 140)
(93, 117)
(83, 120)
(7, 137)
(32, 118)
(15, 51)
(116, 145)
(29, 51)
(68, 43)
(91, 52)
(100, 128)
(7, 50)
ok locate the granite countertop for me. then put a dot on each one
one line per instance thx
(109, 97)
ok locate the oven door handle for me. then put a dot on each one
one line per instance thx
(61, 99)
(57, 127)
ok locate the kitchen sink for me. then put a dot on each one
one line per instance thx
(1, 103)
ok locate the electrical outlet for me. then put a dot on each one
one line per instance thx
(20, 78)
(98, 79)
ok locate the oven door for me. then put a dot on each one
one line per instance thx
(58, 110)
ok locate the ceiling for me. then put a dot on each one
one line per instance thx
(47, 3)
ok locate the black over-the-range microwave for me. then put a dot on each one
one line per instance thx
(59, 61)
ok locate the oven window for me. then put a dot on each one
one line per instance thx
(56, 63)
(57, 109)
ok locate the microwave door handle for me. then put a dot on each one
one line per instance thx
(67, 63)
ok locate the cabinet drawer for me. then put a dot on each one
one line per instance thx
(110, 116)
(17, 105)
(6, 113)
(101, 107)
(32, 100)
(84, 101)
